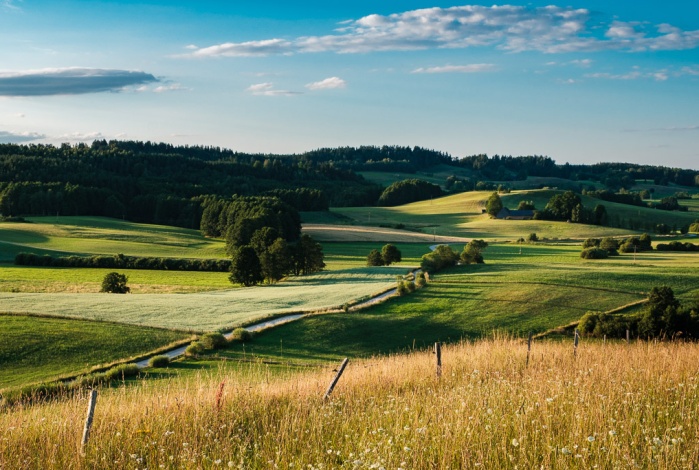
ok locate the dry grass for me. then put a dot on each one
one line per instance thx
(614, 406)
(353, 234)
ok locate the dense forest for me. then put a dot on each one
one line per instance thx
(166, 184)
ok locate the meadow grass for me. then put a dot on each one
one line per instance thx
(612, 406)
(89, 280)
(101, 235)
(209, 311)
(36, 349)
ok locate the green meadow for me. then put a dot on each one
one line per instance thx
(36, 349)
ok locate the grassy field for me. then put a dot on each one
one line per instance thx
(37, 349)
(212, 310)
(100, 235)
(612, 406)
(89, 280)
(460, 215)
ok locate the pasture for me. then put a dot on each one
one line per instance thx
(612, 406)
(101, 235)
(36, 349)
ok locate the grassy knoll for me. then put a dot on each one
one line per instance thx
(35, 349)
(100, 235)
(88, 280)
(614, 406)
(211, 310)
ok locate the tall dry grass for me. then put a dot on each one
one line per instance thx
(614, 406)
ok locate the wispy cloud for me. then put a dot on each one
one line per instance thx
(9, 4)
(470, 68)
(69, 81)
(550, 29)
(635, 74)
(327, 84)
(267, 89)
(11, 137)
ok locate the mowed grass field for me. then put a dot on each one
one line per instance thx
(36, 349)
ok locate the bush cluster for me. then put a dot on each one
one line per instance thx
(123, 262)
(388, 255)
(159, 361)
(442, 257)
(594, 253)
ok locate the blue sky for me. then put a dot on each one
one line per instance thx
(581, 82)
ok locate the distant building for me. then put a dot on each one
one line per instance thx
(506, 213)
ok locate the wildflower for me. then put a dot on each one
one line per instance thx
(612, 433)
(591, 439)
(657, 441)
(515, 442)
(566, 451)
(217, 461)
(406, 449)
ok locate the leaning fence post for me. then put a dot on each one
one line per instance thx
(575, 343)
(88, 420)
(337, 377)
(438, 353)
(529, 347)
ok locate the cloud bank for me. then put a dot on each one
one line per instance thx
(9, 137)
(550, 29)
(69, 81)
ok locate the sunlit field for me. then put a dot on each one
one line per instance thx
(610, 406)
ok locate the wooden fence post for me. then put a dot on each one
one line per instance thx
(88, 421)
(575, 343)
(529, 347)
(627, 337)
(438, 353)
(337, 377)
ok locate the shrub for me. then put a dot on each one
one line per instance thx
(115, 283)
(241, 334)
(594, 253)
(159, 361)
(390, 254)
(610, 245)
(591, 242)
(532, 237)
(213, 341)
(405, 287)
(194, 349)
(122, 372)
(374, 258)
(420, 280)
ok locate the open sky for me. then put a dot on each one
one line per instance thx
(582, 82)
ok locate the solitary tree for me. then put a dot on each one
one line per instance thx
(493, 205)
(115, 283)
(473, 252)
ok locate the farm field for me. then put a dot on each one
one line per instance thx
(211, 311)
(612, 406)
(36, 349)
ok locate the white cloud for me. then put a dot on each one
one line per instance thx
(328, 84)
(267, 89)
(550, 29)
(635, 74)
(69, 81)
(9, 4)
(470, 68)
(169, 87)
(12, 137)
(583, 63)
